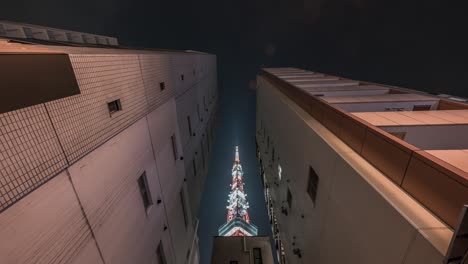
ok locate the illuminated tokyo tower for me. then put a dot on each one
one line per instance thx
(238, 221)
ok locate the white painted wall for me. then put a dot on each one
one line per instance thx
(359, 216)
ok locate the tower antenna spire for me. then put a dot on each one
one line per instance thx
(237, 220)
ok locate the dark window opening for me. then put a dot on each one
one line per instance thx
(203, 154)
(160, 254)
(144, 190)
(182, 77)
(184, 209)
(257, 254)
(289, 198)
(174, 147)
(194, 165)
(233, 262)
(273, 155)
(312, 184)
(162, 86)
(114, 106)
(189, 125)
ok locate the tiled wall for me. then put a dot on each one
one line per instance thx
(83, 121)
(38, 142)
(29, 152)
(156, 69)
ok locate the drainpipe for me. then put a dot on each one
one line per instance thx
(247, 251)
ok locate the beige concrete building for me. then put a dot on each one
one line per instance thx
(241, 250)
(356, 172)
(103, 149)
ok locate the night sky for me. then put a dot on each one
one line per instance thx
(414, 44)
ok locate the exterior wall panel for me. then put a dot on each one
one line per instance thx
(49, 221)
(106, 184)
(83, 121)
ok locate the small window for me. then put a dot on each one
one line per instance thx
(273, 155)
(160, 254)
(144, 190)
(257, 254)
(182, 77)
(280, 172)
(233, 262)
(189, 126)
(289, 198)
(400, 135)
(203, 154)
(421, 107)
(174, 147)
(184, 209)
(194, 165)
(114, 106)
(312, 184)
(162, 86)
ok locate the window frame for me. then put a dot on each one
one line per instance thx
(312, 185)
(184, 207)
(174, 147)
(117, 104)
(145, 192)
(161, 255)
(257, 259)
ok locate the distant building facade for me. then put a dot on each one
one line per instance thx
(356, 172)
(241, 250)
(98, 147)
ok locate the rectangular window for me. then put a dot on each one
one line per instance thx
(160, 254)
(194, 165)
(289, 198)
(198, 112)
(144, 190)
(257, 254)
(114, 106)
(312, 184)
(162, 86)
(182, 77)
(273, 155)
(174, 146)
(184, 209)
(189, 125)
(203, 154)
(280, 172)
(233, 262)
